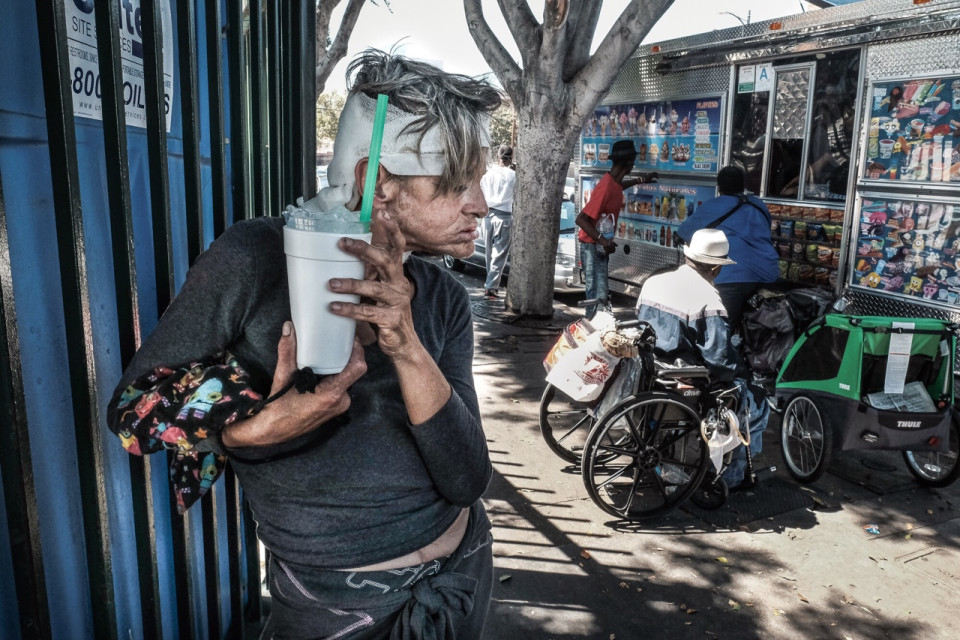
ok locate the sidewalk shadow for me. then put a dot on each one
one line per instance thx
(550, 583)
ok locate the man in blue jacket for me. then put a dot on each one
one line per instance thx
(745, 221)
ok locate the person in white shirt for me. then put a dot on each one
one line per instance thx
(498, 184)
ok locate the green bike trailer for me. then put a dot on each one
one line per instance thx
(872, 382)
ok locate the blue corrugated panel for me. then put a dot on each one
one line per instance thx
(25, 169)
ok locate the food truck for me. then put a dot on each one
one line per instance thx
(847, 123)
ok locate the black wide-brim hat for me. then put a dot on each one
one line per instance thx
(623, 150)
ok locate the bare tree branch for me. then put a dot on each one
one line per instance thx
(496, 55)
(324, 15)
(617, 46)
(523, 27)
(338, 48)
(580, 34)
(555, 13)
(555, 28)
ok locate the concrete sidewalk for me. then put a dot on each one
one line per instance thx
(786, 561)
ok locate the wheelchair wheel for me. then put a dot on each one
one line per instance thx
(711, 494)
(936, 469)
(644, 457)
(806, 442)
(564, 423)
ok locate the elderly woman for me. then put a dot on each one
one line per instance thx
(365, 490)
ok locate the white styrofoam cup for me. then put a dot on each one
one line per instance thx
(324, 340)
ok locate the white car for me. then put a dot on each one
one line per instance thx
(566, 274)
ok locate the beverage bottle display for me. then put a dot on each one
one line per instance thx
(669, 242)
(656, 207)
(663, 235)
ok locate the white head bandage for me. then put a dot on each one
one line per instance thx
(398, 153)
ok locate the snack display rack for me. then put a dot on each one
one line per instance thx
(809, 242)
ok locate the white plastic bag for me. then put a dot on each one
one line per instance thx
(726, 437)
(582, 371)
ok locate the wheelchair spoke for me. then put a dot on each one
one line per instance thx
(615, 476)
(638, 463)
(576, 427)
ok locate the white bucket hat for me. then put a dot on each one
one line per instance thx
(708, 246)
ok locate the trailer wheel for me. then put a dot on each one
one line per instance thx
(806, 442)
(933, 468)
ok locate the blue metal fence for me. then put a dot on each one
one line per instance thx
(99, 221)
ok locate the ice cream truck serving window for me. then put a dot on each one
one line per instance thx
(792, 127)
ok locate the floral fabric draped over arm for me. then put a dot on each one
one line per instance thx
(183, 410)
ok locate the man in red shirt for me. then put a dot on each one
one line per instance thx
(598, 220)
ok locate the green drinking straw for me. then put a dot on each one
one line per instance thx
(373, 163)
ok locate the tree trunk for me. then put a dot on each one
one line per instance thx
(554, 91)
(545, 139)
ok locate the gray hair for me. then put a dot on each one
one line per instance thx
(458, 105)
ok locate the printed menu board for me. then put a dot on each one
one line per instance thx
(677, 135)
(912, 131)
(908, 247)
(652, 212)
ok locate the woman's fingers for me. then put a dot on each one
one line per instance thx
(383, 292)
(385, 261)
(286, 358)
(356, 367)
(396, 242)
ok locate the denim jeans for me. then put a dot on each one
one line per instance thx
(595, 266)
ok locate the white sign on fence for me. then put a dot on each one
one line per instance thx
(85, 71)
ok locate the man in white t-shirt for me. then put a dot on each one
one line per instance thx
(498, 184)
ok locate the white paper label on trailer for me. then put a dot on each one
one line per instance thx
(898, 358)
(746, 78)
(85, 71)
(764, 81)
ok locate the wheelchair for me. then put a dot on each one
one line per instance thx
(648, 449)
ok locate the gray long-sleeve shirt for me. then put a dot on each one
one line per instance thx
(377, 487)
